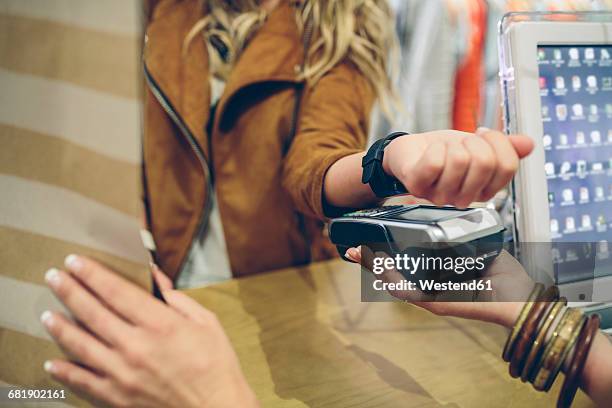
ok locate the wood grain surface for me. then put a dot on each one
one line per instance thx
(304, 339)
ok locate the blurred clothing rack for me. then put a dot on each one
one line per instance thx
(448, 76)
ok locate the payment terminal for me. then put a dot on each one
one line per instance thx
(421, 230)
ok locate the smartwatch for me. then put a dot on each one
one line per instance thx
(373, 174)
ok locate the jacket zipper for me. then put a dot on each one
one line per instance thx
(195, 147)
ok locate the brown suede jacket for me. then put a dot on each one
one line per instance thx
(270, 200)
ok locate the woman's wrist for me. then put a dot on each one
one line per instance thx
(596, 379)
(388, 158)
(508, 313)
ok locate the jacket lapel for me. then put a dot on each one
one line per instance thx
(274, 54)
(181, 77)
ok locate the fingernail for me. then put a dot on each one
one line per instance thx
(350, 253)
(482, 129)
(46, 318)
(73, 262)
(52, 277)
(49, 367)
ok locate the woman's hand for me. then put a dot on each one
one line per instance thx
(455, 168)
(510, 283)
(131, 350)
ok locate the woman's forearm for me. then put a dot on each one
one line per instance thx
(444, 167)
(342, 186)
(596, 378)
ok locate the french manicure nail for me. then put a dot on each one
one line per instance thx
(52, 277)
(49, 366)
(73, 262)
(350, 253)
(46, 318)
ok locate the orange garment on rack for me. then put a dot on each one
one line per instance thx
(466, 108)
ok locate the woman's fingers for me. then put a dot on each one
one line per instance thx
(188, 307)
(163, 281)
(523, 145)
(481, 170)
(86, 308)
(455, 169)
(507, 162)
(81, 381)
(126, 299)
(421, 178)
(79, 344)
(354, 254)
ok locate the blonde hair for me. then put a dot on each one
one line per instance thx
(360, 31)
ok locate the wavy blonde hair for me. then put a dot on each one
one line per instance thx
(360, 31)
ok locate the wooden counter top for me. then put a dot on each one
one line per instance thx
(305, 339)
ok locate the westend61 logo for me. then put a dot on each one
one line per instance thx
(405, 263)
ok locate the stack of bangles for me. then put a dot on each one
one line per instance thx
(549, 337)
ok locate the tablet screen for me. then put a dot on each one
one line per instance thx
(576, 95)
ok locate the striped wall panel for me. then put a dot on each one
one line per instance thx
(69, 160)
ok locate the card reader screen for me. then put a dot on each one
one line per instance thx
(576, 95)
(427, 214)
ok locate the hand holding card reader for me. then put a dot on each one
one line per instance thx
(423, 231)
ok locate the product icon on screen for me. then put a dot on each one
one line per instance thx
(557, 54)
(596, 137)
(593, 113)
(561, 111)
(610, 136)
(592, 82)
(571, 255)
(589, 54)
(584, 195)
(554, 226)
(565, 168)
(586, 222)
(601, 223)
(580, 138)
(570, 224)
(581, 168)
(599, 193)
(576, 83)
(542, 83)
(551, 198)
(549, 168)
(597, 167)
(563, 140)
(541, 54)
(578, 110)
(568, 196)
(545, 113)
(547, 140)
(560, 82)
(605, 55)
(574, 54)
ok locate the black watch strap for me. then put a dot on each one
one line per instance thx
(373, 174)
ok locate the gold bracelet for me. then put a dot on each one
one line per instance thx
(537, 347)
(513, 337)
(562, 341)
